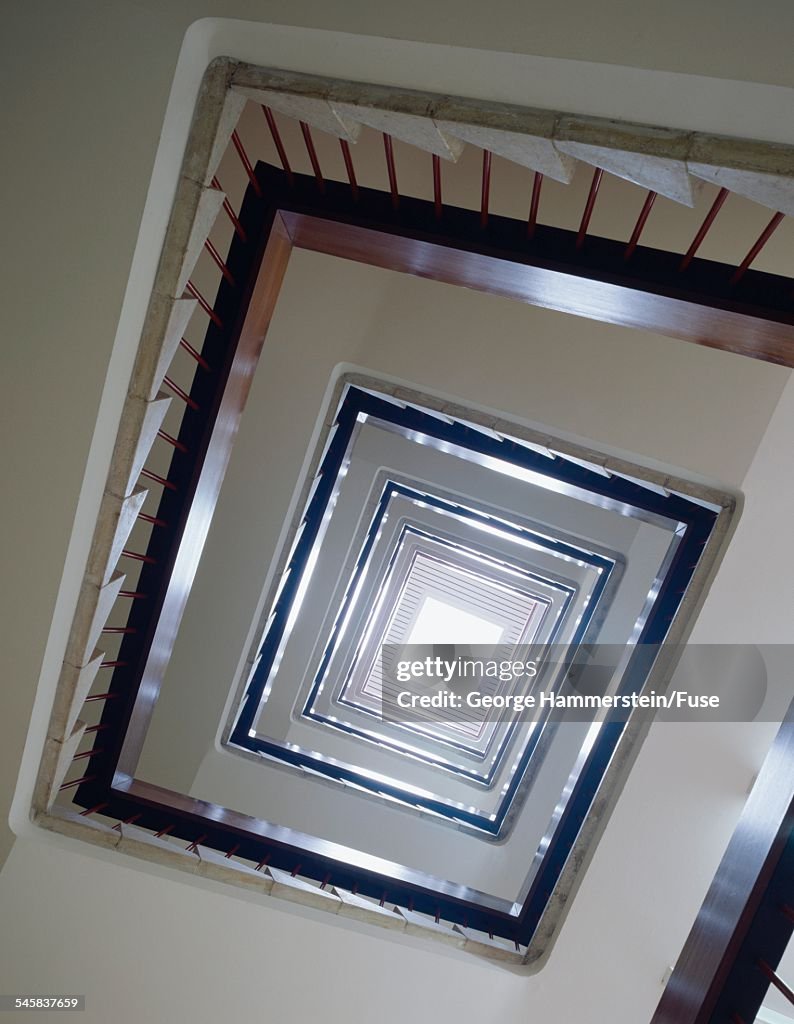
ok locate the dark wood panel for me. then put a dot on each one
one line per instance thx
(673, 314)
(199, 512)
(315, 856)
(736, 893)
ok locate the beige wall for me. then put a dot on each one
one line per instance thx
(85, 92)
(153, 948)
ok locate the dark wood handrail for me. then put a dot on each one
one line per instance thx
(743, 917)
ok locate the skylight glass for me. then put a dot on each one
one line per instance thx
(450, 597)
(439, 622)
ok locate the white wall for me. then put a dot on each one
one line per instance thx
(85, 87)
(149, 947)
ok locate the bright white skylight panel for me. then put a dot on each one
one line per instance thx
(443, 602)
(439, 622)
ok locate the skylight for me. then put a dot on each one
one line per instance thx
(439, 622)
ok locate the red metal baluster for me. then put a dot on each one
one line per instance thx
(172, 441)
(151, 519)
(192, 290)
(182, 394)
(776, 980)
(595, 184)
(439, 209)
(88, 753)
(485, 191)
(95, 809)
(219, 262)
(763, 238)
(158, 479)
(650, 199)
(708, 220)
(77, 782)
(351, 171)
(392, 170)
(537, 183)
(307, 138)
(138, 557)
(227, 206)
(127, 821)
(246, 163)
(282, 153)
